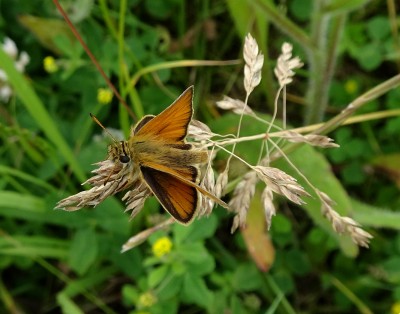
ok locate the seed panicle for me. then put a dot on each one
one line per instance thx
(342, 224)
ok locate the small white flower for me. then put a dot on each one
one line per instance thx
(3, 76)
(5, 93)
(22, 61)
(10, 48)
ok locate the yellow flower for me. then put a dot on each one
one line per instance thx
(395, 308)
(147, 299)
(351, 86)
(50, 65)
(104, 96)
(162, 246)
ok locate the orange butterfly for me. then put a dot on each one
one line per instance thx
(158, 155)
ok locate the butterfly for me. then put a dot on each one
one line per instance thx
(158, 155)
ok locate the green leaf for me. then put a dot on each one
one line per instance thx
(111, 217)
(83, 251)
(195, 291)
(284, 281)
(160, 9)
(170, 288)
(130, 295)
(281, 230)
(297, 261)
(192, 252)
(246, 278)
(281, 224)
(370, 56)
(157, 275)
(378, 27)
(301, 9)
(126, 260)
(47, 30)
(165, 307)
(200, 230)
(236, 305)
(353, 173)
(202, 267)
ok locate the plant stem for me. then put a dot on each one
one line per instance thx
(326, 34)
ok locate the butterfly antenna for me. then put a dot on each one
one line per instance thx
(112, 137)
(102, 126)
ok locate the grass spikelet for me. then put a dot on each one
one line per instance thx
(281, 183)
(285, 65)
(254, 63)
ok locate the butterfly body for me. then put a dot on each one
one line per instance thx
(158, 151)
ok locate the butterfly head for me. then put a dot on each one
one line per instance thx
(119, 152)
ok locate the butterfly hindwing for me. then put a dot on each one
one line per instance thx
(186, 175)
(170, 125)
(178, 198)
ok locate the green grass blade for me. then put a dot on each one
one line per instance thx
(67, 305)
(4, 170)
(376, 217)
(29, 246)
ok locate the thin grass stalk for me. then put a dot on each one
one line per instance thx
(176, 64)
(394, 28)
(326, 32)
(284, 24)
(124, 120)
(347, 291)
(107, 19)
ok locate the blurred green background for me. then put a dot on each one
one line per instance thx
(53, 261)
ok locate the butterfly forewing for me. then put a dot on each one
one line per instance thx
(170, 125)
(178, 198)
(142, 122)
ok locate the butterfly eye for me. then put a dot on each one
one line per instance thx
(124, 159)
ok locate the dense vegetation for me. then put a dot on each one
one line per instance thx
(55, 261)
